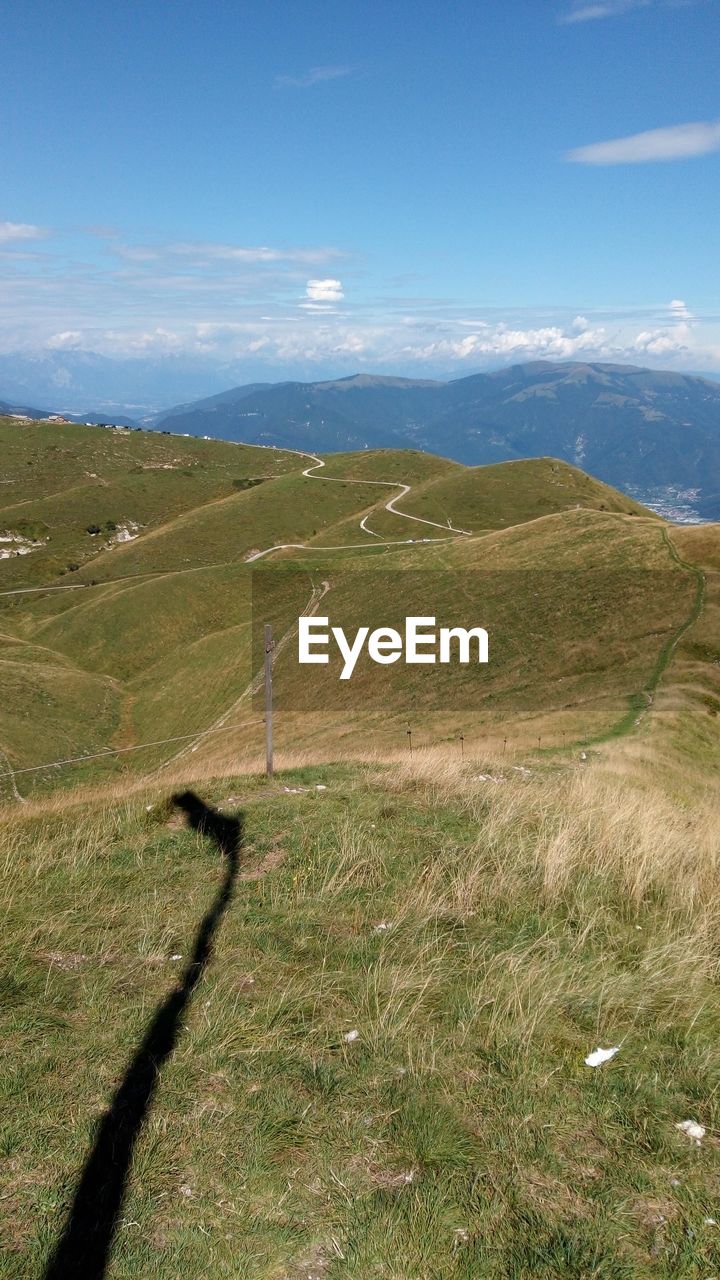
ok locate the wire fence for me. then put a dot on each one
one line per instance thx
(10, 774)
(118, 751)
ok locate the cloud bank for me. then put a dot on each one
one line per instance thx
(274, 307)
(442, 342)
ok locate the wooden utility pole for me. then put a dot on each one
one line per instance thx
(269, 646)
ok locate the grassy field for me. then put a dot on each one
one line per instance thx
(480, 936)
(62, 479)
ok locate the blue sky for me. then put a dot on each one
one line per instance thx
(319, 187)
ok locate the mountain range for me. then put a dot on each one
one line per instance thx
(654, 434)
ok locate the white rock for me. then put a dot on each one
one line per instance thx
(598, 1056)
(176, 957)
(692, 1129)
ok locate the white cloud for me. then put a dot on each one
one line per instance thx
(324, 291)
(158, 341)
(581, 11)
(254, 253)
(327, 340)
(679, 308)
(593, 10)
(550, 341)
(68, 340)
(663, 342)
(10, 231)
(316, 75)
(676, 142)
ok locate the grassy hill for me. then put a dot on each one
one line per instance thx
(579, 607)
(62, 480)
(154, 641)
(51, 707)
(496, 497)
(335, 1024)
(476, 499)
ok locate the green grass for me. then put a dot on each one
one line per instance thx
(60, 479)
(460, 1135)
(407, 466)
(497, 497)
(643, 698)
(50, 708)
(607, 600)
(294, 508)
(156, 644)
(476, 499)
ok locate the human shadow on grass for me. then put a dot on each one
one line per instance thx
(83, 1250)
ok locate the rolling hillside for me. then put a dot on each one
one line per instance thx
(68, 490)
(149, 640)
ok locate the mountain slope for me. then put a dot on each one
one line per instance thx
(505, 494)
(638, 429)
(155, 636)
(323, 417)
(68, 491)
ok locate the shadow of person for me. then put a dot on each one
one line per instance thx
(83, 1250)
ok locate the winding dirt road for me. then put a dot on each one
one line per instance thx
(388, 506)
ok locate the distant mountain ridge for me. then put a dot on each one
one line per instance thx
(643, 430)
(654, 434)
(91, 415)
(21, 410)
